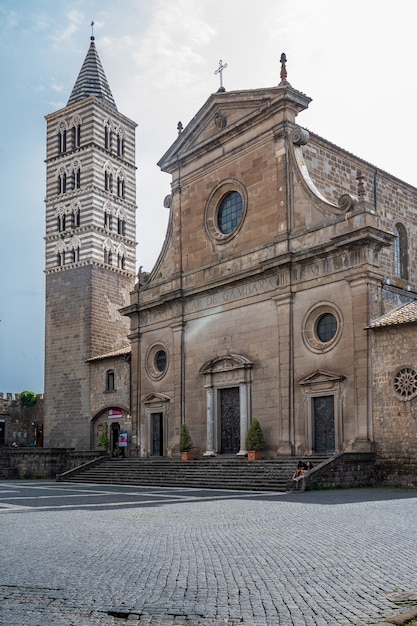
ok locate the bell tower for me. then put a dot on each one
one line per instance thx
(89, 247)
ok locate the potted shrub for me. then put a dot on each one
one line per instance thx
(255, 441)
(186, 444)
(103, 438)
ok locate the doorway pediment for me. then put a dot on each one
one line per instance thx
(225, 363)
(156, 398)
(320, 377)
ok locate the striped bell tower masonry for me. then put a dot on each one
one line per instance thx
(89, 247)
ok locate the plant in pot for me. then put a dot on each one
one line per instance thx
(186, 444)
(255, 442)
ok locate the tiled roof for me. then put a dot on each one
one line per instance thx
(92, 80)
(405, 314)
(107, 355)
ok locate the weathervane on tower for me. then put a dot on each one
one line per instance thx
(92, 30)
(222, 66)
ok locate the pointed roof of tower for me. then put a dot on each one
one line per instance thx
(92, 80)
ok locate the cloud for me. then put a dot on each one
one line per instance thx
(74, 18)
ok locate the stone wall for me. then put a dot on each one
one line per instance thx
(346, 470)
(21, 425)
(334, 171)
(394, 414)
(42, 462)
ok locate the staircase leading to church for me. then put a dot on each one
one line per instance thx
(216, 473)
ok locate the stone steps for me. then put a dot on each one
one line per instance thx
(216, 473)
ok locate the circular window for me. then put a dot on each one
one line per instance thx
(322, 327)
(156, 363)
(405, 383)
(230, 212)
(161, 360)
(326, 327)
(225, 211)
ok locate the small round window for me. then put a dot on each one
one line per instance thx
(326, 327)
(405, 383)
(230, 212)
(161, 360)
(157, 361)
(322, 327)
(225, 211)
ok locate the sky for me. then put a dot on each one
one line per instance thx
(354, 59)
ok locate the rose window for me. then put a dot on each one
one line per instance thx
(405, 382)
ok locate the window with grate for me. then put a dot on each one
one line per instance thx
(230, 212)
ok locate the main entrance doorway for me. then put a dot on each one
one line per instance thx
(229, 420)
(157, 434)
(323, 417)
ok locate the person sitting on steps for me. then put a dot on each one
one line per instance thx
(302, 468)
(308, 467)
(298, 470)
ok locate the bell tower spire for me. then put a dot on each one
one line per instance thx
(92, 80)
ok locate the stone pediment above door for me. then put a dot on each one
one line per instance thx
(322, 381)
(224, 363)
(226, 369)
(156, 399)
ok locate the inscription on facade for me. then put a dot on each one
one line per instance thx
(230, 295)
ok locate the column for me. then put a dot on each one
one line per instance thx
(243, 400)
(210, 422)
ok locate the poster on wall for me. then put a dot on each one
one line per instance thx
(122, 439)
(115, 413)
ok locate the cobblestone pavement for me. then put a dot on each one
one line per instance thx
(90, 555)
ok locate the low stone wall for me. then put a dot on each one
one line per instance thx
(347, 469)
(44, 462)
(399, 471)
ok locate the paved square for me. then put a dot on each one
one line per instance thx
(106, 554)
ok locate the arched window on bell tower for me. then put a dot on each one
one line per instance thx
(108, 252)
(120, 141)
(62, 138)
(60, 214)
(61, 222)
(75, 126)
(121, 221)
(74, 248)
(120, 184)
(60, 253)
(76, 174)
(108, 216)
(108, 135)
(62, 181)
(108, 178)
(76, 213)
(121, 251)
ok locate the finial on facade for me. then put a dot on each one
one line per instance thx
(283, 70)
(361, 187)
(139, 277)
(180, 128)
(222, 66)
(92, 30)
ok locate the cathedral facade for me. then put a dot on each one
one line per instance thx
(279, 294)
